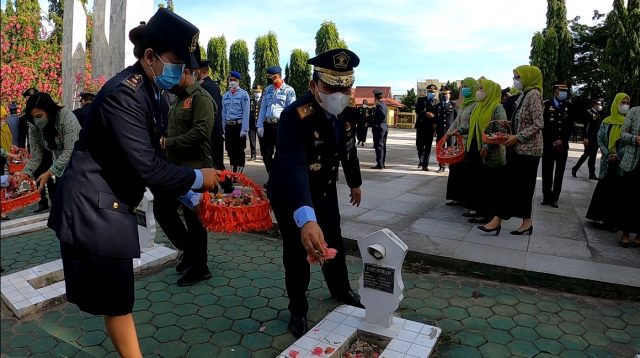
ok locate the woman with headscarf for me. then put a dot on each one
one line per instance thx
(605, 195)
(455, 182)
(493, 156)
(630, 166)
(527, 123)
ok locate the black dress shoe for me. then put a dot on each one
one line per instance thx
(496, 229)
(593, 177)
(41, 209)
(376, 167)
(350, 298)
(527, 231)
(574, 171)
(554, 204)
(425, 169)
(182, 266)
(193, 276)
(298, 326)
(440, 170)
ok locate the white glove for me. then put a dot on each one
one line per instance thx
(260, 132)
(243, 134)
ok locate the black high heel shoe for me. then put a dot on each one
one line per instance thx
(496, 229)
(528, 231)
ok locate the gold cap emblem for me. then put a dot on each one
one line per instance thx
(341, 60)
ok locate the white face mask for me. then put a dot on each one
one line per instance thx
(334, 103)
(480, 95)
(599, 108)
(233, 84)
(623, 108)
(517, 84)
(257, 96)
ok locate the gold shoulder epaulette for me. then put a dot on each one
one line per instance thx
(134, 81)
(305, 110)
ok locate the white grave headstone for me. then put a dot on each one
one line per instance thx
(74, 39)
(146, 221)
(126, 14)
(101, 52)
(381, 287)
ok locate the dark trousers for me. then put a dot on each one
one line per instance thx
(424, 141)
(361, 132)
(380, 143)
(217, 144)
(552, 182)
(252, 142)
(268, 144)
(628, 221)
(296, 268)
(45, 164)
(522, 173)
(590, 152)
(235, 145)
(189, 237)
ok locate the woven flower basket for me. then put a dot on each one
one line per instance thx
(12, 200)
(16, 166)
(496, 132)
(450, 154)
(236, 212)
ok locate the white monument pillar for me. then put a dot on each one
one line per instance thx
(74, 39)
(100, 50)
(146, 221)
(125, 15)
(381, 286)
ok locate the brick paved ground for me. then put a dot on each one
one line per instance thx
(241, 311)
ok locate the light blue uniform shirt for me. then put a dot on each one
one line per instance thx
(273, 102)
(236, 107)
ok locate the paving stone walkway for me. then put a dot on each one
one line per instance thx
(242, 311)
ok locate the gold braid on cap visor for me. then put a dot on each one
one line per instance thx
(335, 78)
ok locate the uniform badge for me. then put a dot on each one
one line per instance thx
(315, 167)
(341, 60)
(187, 103)
(194, 42)
(316, 135)
(305, 110)
(134, 81)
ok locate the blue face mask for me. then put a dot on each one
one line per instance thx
(466, 92)
(562, 95)
(171, 74)
(431, 95)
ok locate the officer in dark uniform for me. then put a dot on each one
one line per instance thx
(364, 115)
(253, 120)
(85, 104)
(93, 214)
(426, 111)
(380, 130)
(590, 139)
(313, 139)
(447, 113)
(558, 125)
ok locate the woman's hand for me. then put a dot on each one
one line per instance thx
(43, 179)
(511, 141)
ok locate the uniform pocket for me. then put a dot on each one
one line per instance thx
(110, 202)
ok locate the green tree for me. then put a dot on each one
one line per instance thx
(409, 100)
(299, 71)
(552, 49)
(8, 10)
(622, 55)
(239, 61)
(217, 53)
(56, 12)
(327, 38)
(587, 74)
(265, 55)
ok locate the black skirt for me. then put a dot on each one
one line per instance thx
(456, 182)
(629, 215)
(521, 176)
(605, 198)
(98, 285)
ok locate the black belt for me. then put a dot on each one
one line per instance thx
(272, 120)
(234, 122)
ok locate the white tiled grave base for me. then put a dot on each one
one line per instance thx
(41, 287)
(340, 328)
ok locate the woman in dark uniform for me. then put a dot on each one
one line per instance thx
(112, 163)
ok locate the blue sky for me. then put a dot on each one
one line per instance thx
(398, 41)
